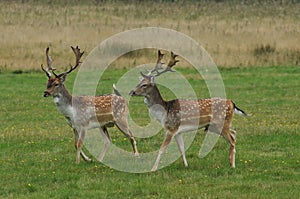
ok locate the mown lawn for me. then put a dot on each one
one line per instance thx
(37, 156)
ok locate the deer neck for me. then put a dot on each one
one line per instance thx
(62, 98)
(155, 98)
(63, 102)
(156, 105)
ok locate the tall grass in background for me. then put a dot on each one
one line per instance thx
(235, 33)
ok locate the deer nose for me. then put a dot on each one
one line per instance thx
(132, 93)
(46, 94)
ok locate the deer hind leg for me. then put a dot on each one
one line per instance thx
(107, 142)
(161, 150)
(83, 155)
(232, 148)
(230, 136)
(180, 143)
(123, 126)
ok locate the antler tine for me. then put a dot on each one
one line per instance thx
(171, 63)
(49, 60)
(172, 60)
(159, 63)
(46, 71)
(78, 55)
(49, 64)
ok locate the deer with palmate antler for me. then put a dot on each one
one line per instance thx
(86, 112)
(179, 115)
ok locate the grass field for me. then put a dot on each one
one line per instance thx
(38, 157)
(254, 43)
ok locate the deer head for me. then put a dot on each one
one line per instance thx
(147, 83)
(55, 84)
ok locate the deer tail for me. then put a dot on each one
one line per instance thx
(116, 90)
(239, 111)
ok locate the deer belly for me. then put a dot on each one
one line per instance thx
(100, 121)
(194, 123)
(105, 118)
(185, 128)
(94, 124)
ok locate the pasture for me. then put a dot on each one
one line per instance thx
(38, 156)
(253, 43)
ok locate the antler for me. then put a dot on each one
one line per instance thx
(78, 55)
(49, 60)
(159, 63)
(49, 64)
(172, 60)
(171, 63)
(49, 68)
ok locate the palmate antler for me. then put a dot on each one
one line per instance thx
(78, 55)
(50, 69)
(159, 64)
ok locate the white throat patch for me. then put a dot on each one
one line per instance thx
(159, 113)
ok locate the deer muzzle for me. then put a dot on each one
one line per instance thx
(132, 93)
(46, 94)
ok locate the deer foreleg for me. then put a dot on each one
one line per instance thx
(80, 144)
(161, 151)
(180, 144)
(83, 155)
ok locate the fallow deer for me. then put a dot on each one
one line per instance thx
(180, 115)
(86, 112)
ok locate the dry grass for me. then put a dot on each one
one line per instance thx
(230, 32)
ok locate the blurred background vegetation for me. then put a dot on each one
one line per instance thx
(235, 33)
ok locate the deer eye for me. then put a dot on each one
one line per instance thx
(56, 85)
(144, 86)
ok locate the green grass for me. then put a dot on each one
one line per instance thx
(37, 156)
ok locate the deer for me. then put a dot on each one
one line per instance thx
(87, 112)
(182, 115)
